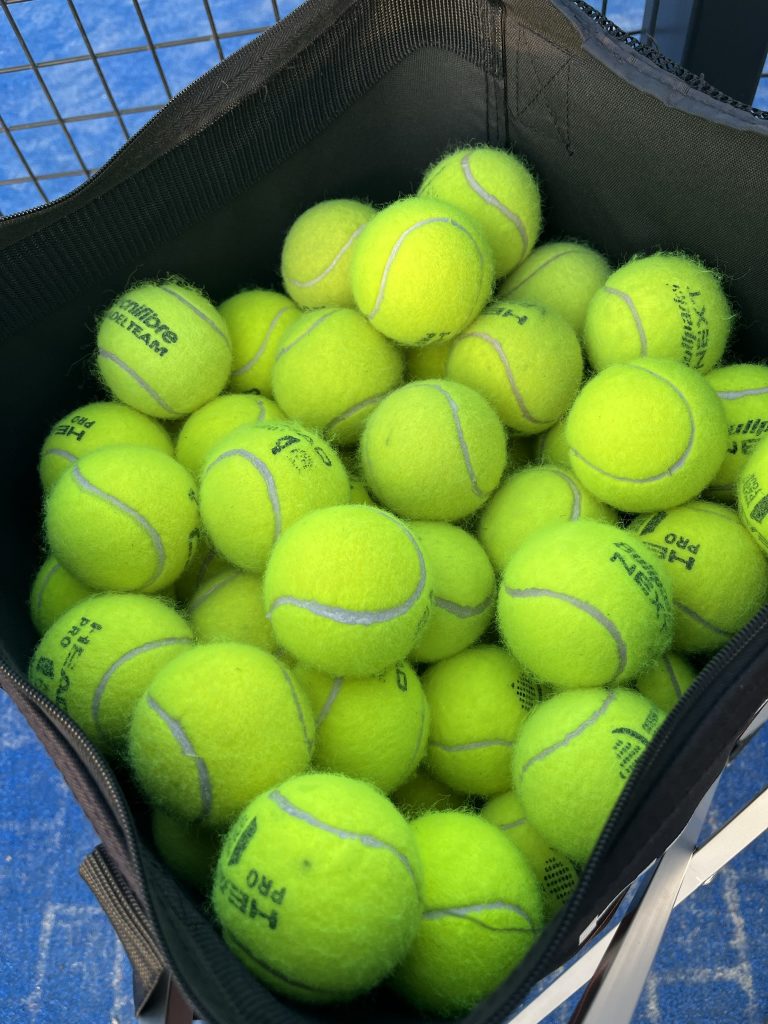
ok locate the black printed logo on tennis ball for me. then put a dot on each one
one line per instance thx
(694, 327)
(75, 427)
(630, 744)
(506, 312)
(401, 678)
(744, 437)
(676, 547)
(301, 450)
(144, 323)
(75, 642)
(643, 574)
(258, 899)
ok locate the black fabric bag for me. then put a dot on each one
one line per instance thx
(355, 98)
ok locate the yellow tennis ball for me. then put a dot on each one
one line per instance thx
(317, 253)
(230, 606)
(427, 362)
(373, 728)
(94, 426)
(525, 360)
(573, 758)
(667, 305)
(259, 480)
(189, 851)
(718, 574)
(124, 518)
(210, 424)
(422, 793)
(99, 657)
(529, 499)
(743, 390)
(585, 603)
(752, 495)
(204, 564)
(315, 849)
(433, 450)
(332, 370)
(54, 591)
(421, 271)
(665, 681)
(646, 435)
(464, 596)
(498, 190)
(482, 913)
(347, 590)
(557, 875)
(217, 725)
(256, 320)
(552, 446)
(562, 276)
(163, 349)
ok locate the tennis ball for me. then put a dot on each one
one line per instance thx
(347, 590)
(743, 390)
(421, 271)
(752, 495)
(189, 851)
(163, 349)
(317, 253)
(317, 889)
(498, 190)
(54, 591)
(667, 305)
(422, 793)
(557, 875)
(646, 435)
(203, 566)
(332, 370)
(525, 360)
(585, 604)
(219, 724)
(373, 728)
(256, 320)
(529, 499)
(99, 657)
(209, 425)
(124, 518)
(562, 276)
(552, 446)
(230, 606)
(433, 450)
(718, 574)
(94, 426)
(573, 758)
(258, 481)
(427, 362)
(477, 702)
(464, 596)
(666, 680)
(482, 913)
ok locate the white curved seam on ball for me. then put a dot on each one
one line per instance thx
(541, 266)
(264, 342)
(138, 518)
(215, 586)
(729, 396)
(467, 911)
(575, 492)
(494, 201)
(331, 266)
(61, 453)
(573, 734)
(422, 729)
(269, 968)
(372, 842)
(453, 748)
(104, 353)
(518, 823)
(151, 645)
(56, 567)
(329, 701)
(516, 393)
(353, 410)
(198, 312)
(320, 320)
(672, 677)
(177, 731)
(266, 476)
(701, 621)
(464, 611)
(462, 439)
(299, 710)
(627, 299)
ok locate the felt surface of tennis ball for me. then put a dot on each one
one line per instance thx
(666, 680)
(477, 701)
(421, 793)
(124, 518)
(208, 426)
(557, 875)
(464, 596)
(646, 435)
(498, 190)
(258, 481)
(421, 271)
(752, 495)
(99, 657)
(743, 390)
(94, 426)
(667, 306)
(256, 321)
(482, 913)
(433, 450)
(230, 606)
(189, 851)
(525, 360)
(585, 603)
(530, 499)
(552, 446)
(204, 564)
(54, 591)
(562, 276)
(332, 370)
(573, 758)
(427, 362)
(347, 590)
(373, 728)
(317, 253)
(218, 725)
(718, 574)
(319, 848)
(163, 349)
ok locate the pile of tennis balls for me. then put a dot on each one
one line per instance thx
(377, 599)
